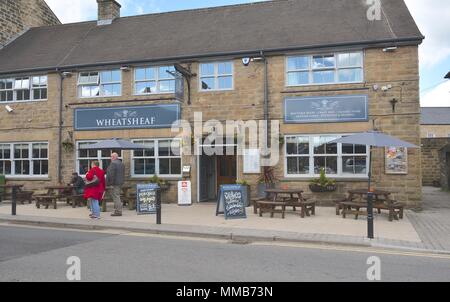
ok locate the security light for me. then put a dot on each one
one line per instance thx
(9, 109)
(390, 49)
(66, 74)
(125, 68)
(447, 76)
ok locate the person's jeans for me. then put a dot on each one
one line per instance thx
(95, 207)
(115, 194)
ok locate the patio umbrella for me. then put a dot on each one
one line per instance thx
(372, 139)
(114, 144)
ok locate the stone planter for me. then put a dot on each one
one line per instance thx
(322, 189)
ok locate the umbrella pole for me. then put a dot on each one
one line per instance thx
(370, 202)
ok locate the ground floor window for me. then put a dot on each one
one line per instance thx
(85, 157)
(24, 159)
(307, 155)
(162, 157)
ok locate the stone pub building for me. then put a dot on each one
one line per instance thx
(322, 68)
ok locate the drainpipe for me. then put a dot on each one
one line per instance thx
(266, 94)
(60, 126)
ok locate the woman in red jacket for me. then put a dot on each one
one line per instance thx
(94, 194)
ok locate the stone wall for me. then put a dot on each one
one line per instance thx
(18, 15)
(431, 161)
(439, 131)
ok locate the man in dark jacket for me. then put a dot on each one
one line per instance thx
(77, 183)
(115, 178)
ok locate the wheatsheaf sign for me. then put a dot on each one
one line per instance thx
(137, 117)
(343, 108)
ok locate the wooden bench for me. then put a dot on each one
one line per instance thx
(308, 208)
(76, 200)
(354, 208)
(271, 207)
(46, 200)
(396, 209)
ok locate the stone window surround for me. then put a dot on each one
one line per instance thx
(29, 158)
(157, 80)
(100, 84)
(311, 156)
(216, 75)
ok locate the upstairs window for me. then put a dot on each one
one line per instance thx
(216, 76)
(100, 84)
(23, 89)
(325, 69)
(154, 80)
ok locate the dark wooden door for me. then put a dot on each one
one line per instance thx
(226, 170)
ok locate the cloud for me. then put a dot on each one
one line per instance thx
(433, 19)
(69, 11)
(438, 97)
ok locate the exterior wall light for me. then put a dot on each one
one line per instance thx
(125, 68)
(390, 49)
(9, 109)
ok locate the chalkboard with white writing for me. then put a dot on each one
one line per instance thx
(147, 199)
(231, 202)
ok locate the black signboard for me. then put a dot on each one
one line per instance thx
(147, 199)
(231, 201)
(342, 108)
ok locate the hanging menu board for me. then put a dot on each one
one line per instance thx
(147, 199)
(231, 201)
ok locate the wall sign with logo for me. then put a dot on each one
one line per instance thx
(137, 117)
(147, 198)
(343, 108)
(231, 201)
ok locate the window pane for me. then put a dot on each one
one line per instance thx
(22, 167)
(320, 77)
(298, 63)
(164, 148)
(350, 59)
(163, 74)
(323, 61)
(360, 149)
(167, 86)
(225, 82)
(292, 165)
(350, 75)
(145, 87)
(106, 76)
(84, 166)
(116, 75)
(207, 69)
(140, 74)
(298, 78)
(175, 166)
(354, 165)
(348, 149)
(111, 89)
(298, 145)
(208, 83)
(175, 148)
(164, 166)
(329, 163)
(225, 68)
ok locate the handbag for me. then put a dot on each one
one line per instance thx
(92, 183)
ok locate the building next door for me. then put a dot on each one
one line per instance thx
(226, 170)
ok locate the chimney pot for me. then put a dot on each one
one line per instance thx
(108, 10)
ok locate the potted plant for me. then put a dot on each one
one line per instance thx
(323, 183)
(246, 185)
(164, 185)
(68, 145)
(266, 181)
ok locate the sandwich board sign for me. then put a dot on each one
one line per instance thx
(231, 202)
(147, 196)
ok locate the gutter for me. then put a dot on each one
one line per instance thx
(363, 44)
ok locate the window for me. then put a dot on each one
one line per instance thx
(162, 158)
(431, 135)
(216, 76)
(24, 159)
(23, 89)
(85, 157)
(325, 69)
(154, 80)
(100, 84)
(308, 155)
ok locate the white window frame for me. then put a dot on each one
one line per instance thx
(311, 156)
(157, 80)
(311, 70)
(30, 88)
(431, 135)
(99, 156)
(99, 83)
(216, 76)
(30, 159)
(157, 158)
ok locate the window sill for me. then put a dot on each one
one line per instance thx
(336, 178)
(321, 85)
(167, 178)
(22, 102)
(28, 178)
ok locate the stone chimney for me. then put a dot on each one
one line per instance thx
(108, 10)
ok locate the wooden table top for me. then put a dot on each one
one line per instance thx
(364, 192)
(58, 187)
(285, 191)
(11, 186)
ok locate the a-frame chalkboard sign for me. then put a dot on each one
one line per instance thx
(147, 196)
(231, 201)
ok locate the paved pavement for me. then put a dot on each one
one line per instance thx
(433, 222)
(138, 257)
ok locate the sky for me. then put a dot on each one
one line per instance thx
(432, 17)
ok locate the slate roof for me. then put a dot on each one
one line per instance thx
(435, 116)
(228, 30)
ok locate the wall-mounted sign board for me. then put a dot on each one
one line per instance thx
(231, 201)
(136, 117)
(326, 109)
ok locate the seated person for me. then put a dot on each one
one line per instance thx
(77, 183)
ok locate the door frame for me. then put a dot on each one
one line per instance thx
(199, 148)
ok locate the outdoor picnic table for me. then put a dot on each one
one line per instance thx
(58, 188)
(275, 193)
(294, 200)
(362, 193)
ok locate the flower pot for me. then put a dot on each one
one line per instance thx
(322, 189)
